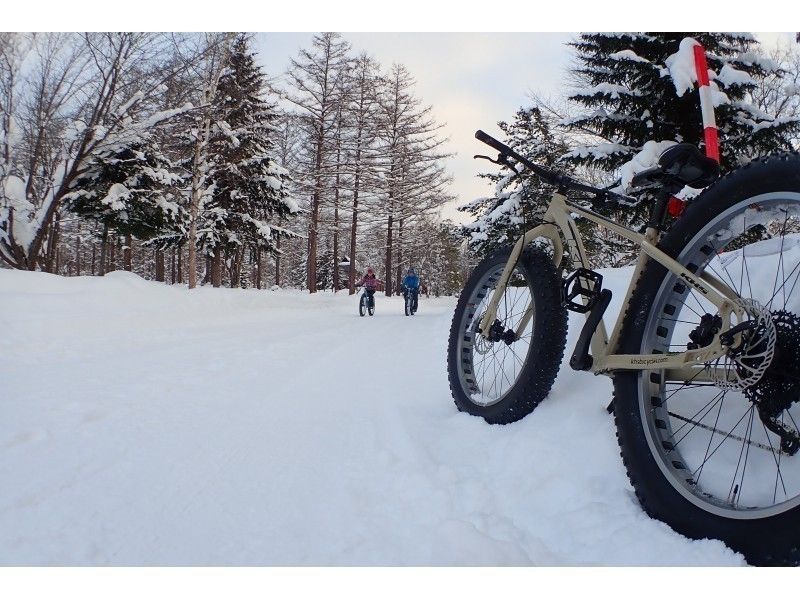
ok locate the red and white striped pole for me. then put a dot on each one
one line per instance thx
(706, 103)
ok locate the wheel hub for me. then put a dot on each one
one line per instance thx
(498, 333)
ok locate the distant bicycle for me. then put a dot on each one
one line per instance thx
(411, 300)
(370, 284)
(366, 304)
(410, 288)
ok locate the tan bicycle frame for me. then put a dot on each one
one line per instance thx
(559, 224)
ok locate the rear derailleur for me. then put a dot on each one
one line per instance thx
(778, 387)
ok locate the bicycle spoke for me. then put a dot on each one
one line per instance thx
(708, 407)
(777, 460)
(710, 440)
(780, 261)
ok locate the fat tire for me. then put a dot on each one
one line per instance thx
(773, 540)
(547, 341)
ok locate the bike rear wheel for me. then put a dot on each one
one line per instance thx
(701, 455)
(505, 379)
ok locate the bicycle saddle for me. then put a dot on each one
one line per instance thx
(682, 163)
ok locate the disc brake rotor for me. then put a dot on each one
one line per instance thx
(746, 363)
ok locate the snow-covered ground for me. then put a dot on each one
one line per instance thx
(146, 424)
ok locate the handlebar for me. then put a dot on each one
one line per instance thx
(492, 142)
(553, 178)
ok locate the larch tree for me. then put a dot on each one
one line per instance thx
(316, 84)
(362, 109)
(289, 143)
(410, 150)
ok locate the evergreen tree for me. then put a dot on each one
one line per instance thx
(131, 189)
(518, 200)
(246, 184)
(630, 95)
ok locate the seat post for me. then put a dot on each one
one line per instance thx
(658, 214)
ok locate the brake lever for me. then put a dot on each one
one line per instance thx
(502, 159)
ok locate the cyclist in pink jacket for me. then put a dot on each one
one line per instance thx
(370, 284)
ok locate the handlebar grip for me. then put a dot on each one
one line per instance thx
(492, 142)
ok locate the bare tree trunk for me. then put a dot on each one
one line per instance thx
(207, 273)
(192, 260)
(234, 278)
(311, 269)
(112, 265)
(180, 264)
(388, 268)
(103, 250)
(216, 268)
(58, 260)
(198, 177)
(336, 214)
(399, 275)
(236, 267)
(127, 254)
(278, 265)
(94, 255)
(351, 276)
(258, 268)
(336, 238)
(77, 255)
(172, 259)
(52, 245)
(159, 258)
(194, 207)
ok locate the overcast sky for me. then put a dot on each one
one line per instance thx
(472, 80)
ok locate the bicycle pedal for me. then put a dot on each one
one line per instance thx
(583, 283)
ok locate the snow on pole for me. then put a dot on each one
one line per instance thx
(706, 103)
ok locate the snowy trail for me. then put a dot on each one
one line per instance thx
(142, 424)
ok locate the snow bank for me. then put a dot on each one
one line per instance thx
(144, 424)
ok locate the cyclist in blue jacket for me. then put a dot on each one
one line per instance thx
(411, 285)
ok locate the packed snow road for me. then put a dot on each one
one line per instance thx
(144, 424)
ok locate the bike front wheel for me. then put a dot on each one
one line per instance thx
(504, 379)
(701, 446)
